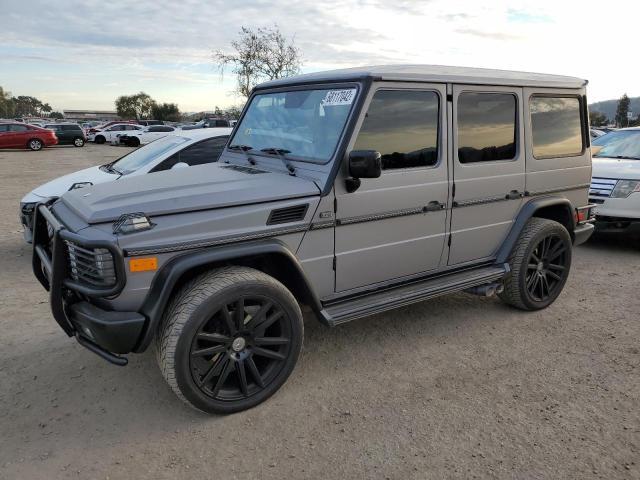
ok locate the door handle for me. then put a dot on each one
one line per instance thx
(514, 195)
(434, 206)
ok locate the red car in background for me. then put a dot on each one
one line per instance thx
(19, 135)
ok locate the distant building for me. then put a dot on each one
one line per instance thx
(87, 115)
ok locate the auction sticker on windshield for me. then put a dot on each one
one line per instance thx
(339, 97)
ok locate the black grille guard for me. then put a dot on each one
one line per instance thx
(51, 267)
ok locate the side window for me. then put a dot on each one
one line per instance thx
(70, 128)
(4, 128)
(486, 127)
(113, 129)
(556, 126)
(155, 129)
(403, 126)
(207, 151)
(165, 129)
(18, 128)
(167, 164)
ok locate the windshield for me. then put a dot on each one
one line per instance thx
(305, 124)
(143, 155)
(619, 144)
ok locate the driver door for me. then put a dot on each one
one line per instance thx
(395, 226)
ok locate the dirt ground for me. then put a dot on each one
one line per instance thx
(459, 387)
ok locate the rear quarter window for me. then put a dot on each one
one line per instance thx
(556, 126)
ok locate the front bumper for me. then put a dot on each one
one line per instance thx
(106, 333)
(617, 224)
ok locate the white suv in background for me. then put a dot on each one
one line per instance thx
(615, 184)
(111, 133)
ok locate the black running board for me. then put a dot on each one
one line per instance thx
(406, 294)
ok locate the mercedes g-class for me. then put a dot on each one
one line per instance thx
(351, 192)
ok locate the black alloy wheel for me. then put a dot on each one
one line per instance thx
(240, 349)
(546, 268)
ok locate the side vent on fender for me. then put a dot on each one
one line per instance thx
(287, 214)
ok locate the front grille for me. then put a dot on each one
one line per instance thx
(91, 266)
(602, 187)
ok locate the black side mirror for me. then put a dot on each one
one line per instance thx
(365, 164)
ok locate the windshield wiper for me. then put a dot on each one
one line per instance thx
(108, 167)
(244, 148)
(626, 157)
(281, 154)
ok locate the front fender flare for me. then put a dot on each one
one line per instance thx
(167, 279)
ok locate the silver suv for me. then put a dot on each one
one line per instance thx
(351, 192)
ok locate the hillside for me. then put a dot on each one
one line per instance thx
(608, 107)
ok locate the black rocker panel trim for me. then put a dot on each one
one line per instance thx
(168, 277)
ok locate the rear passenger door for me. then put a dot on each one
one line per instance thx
(488, 169)
(394, 226)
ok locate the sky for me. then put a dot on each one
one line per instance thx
(82, 55)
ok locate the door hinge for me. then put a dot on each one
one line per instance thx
(449, 241)
(335, 205)
(453, 191)
(449, 97)
(334, 264)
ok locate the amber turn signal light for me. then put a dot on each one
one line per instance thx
(147, 264)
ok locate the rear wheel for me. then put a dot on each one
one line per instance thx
(540, 265)
(229, 339)
(35, 144)
(133, 142)
(100, 139)
(78, 142)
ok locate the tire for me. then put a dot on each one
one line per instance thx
(133, 142)
(540, 265)
(205, 350)
(35, 144)
(100, 139)
(78, 142)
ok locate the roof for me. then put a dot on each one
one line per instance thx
(435, 74)
(202, 133)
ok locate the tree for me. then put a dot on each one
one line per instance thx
(26, 106)
(233, 112)
(56, 115)
(598, 119)
(166, 111)
(7, 105)
(622, 110)
(260, 55)
(138, 106)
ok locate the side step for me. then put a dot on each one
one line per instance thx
(380, 301)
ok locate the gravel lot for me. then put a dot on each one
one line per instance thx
(459, 387)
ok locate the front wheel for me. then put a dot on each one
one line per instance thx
(100, 139)
(229, 339)
(540, 265)
(35, 144)
(78, 142)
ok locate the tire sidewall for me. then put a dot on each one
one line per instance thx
(78, 142)
(100, 139)
(201, 313)
(550, 229)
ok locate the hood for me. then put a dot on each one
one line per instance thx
(59, 186)
(604, 167)
(187, 189)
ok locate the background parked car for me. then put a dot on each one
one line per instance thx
(615, 182)
(111, 133)
(184, 149)
(19, 135)
(596, 133)
(147, 123)
(209, 123)
(68, 133)
(147, 135)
